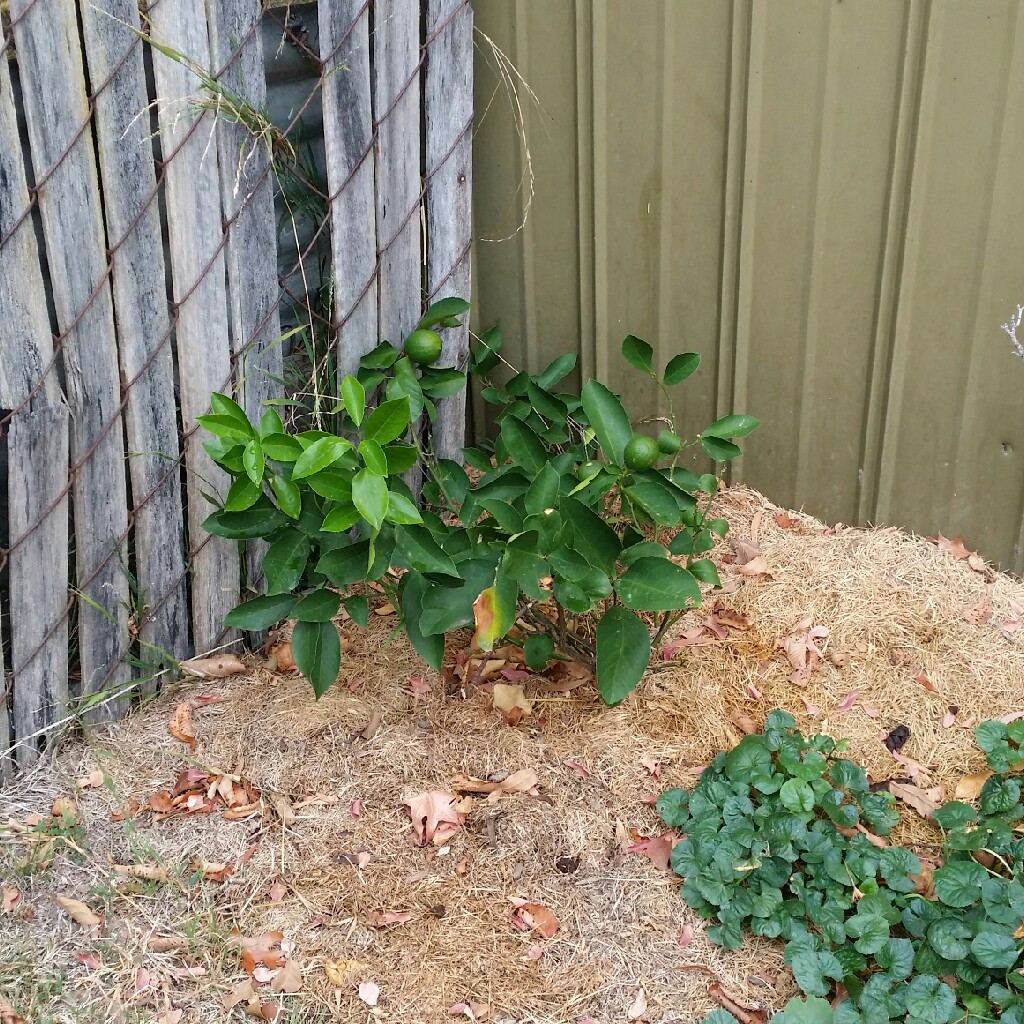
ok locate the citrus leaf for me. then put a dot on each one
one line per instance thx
(388, 421)
(370, 496)
(288, 497)
(736, 425)
(608, 420)
(657, 585)
(285, 561)
(260, 612)
(638, 354)
(354, 397)
(623, 651)
(319, 455)
(680, 367)
(316, 648)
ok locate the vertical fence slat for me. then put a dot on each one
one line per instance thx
(197, 271)
(6, 759)
(53, 85)
(396, 85)
(247, 190)
(38, 580)
(449, 119)
(348, 134)
(143, 321)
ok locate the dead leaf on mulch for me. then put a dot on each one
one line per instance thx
(920, 676)
(657, 849)
(263, 949)
(472, 1009)
(288, 978)
(510, 700)
(79, 912)
(801, 651)
(638, 1007)
(925, 801)
(522, 781)
(215, 667)
(180, 725)
(970, 786)
(434, 819)
(978, 613)
(8, 1015)
(389, 918)
(528, 916)
(743, 1012)
(369, 992)
(281, 658)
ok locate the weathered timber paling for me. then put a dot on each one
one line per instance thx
(128, 177)
(53, 85)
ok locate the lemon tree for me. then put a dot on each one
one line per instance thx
(568, 514)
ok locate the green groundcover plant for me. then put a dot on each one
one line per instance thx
(557, 534)
(775, 843)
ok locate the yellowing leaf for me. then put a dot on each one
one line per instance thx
(486, 620)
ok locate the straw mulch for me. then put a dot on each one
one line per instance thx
(893, 605)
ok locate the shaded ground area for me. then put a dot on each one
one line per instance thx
(323, 850)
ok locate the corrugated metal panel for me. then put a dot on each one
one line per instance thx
(823, 198)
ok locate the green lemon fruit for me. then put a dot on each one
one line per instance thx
(669, 442)
(641, 452)
(586, 470)
(423, 347)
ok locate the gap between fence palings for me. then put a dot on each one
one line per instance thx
(463, 133)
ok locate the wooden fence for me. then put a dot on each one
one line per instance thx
(116, 322)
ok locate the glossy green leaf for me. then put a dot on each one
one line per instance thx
(335, 485)
(358, 608)
(261, 520)
(373, 457)
(657, 585)
(319, 455)
(608, 420)
(405, 384)
(524, 447)
(401, 509)
(316, 648)
(289, 499)
(623, 651)
(430, 647)
(736, 425)
(281, 448)
(592, 537)
(422, 552)
(558, 369)
(253, 461)
(442, 310)
(222, 405)
(370, 496)
(638, 354)
(719, 450)
(400, 457)
(225, 426)
(388, 421)
(485, 355)
(270, 424)
(242, 494)
(260, 613)
(657, 501)
(680, 367)
(319, 606)
(995, 950)
(383, 356)
(543, 492)
(285, 561)
(706, 571)
(354, 397)
(345, 565)
(340, 519)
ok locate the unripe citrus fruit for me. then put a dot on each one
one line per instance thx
(641, 452)
(423, 347)
(585, 470)
(669, 442)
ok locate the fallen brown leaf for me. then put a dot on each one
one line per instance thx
(91, 781)
(743, 722)
(980, 612)
(372, 725)
(685, 936)
(79, 912)
(281, 658)
(165, 943)
(11, 898)
(8, 1015)
(180, 725)
(289, 978)
(638, 1007)
(264, 949)
(785, 521)
(510, 700)
(743, 1012)
(925, 801)
(277, 892)
(241, 993)
(389, 918)
(954, 547)
(527, 916)
(433, 817)
(729, 617)
(65, 810)
(801, 650)
(921, 677)
(657, 849)
(215, 667)
(150, 872)
(847, 702)
(580, 769)
(970, 786)
(418, 685)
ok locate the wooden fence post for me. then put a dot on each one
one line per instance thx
(195, 229)
(449, 118)
(348, 134)
(56, 105)
(143, 324)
